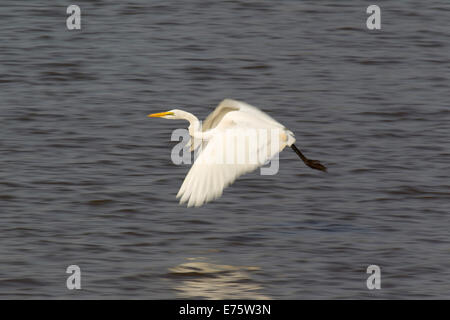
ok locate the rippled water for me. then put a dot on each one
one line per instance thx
(86, 178)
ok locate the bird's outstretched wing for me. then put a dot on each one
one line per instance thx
(238, 146)
(228, 105)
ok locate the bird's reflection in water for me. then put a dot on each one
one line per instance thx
(202, 279)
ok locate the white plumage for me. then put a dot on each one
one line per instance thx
(236, 138)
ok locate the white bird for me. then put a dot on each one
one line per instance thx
(227, 133)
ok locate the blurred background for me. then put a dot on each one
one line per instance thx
(87, 179)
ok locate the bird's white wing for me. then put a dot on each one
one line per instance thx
(228, 105)
(240, 145)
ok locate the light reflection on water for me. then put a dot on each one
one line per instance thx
(201, 279)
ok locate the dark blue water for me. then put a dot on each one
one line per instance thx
(87, 179)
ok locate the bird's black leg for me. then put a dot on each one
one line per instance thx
(314, 164)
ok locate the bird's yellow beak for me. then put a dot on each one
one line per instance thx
(161, 114)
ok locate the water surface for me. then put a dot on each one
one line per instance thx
(86, 178)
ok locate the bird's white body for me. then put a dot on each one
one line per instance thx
(243, 114)
(236, 138)
(234, 128)
(213, 171)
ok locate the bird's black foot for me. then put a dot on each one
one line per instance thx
(315, 164)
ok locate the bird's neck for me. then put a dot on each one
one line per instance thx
(195, 128)
(194, 123)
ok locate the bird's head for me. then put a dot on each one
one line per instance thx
(171, 114)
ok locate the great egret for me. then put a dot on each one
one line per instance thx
(209, 174)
